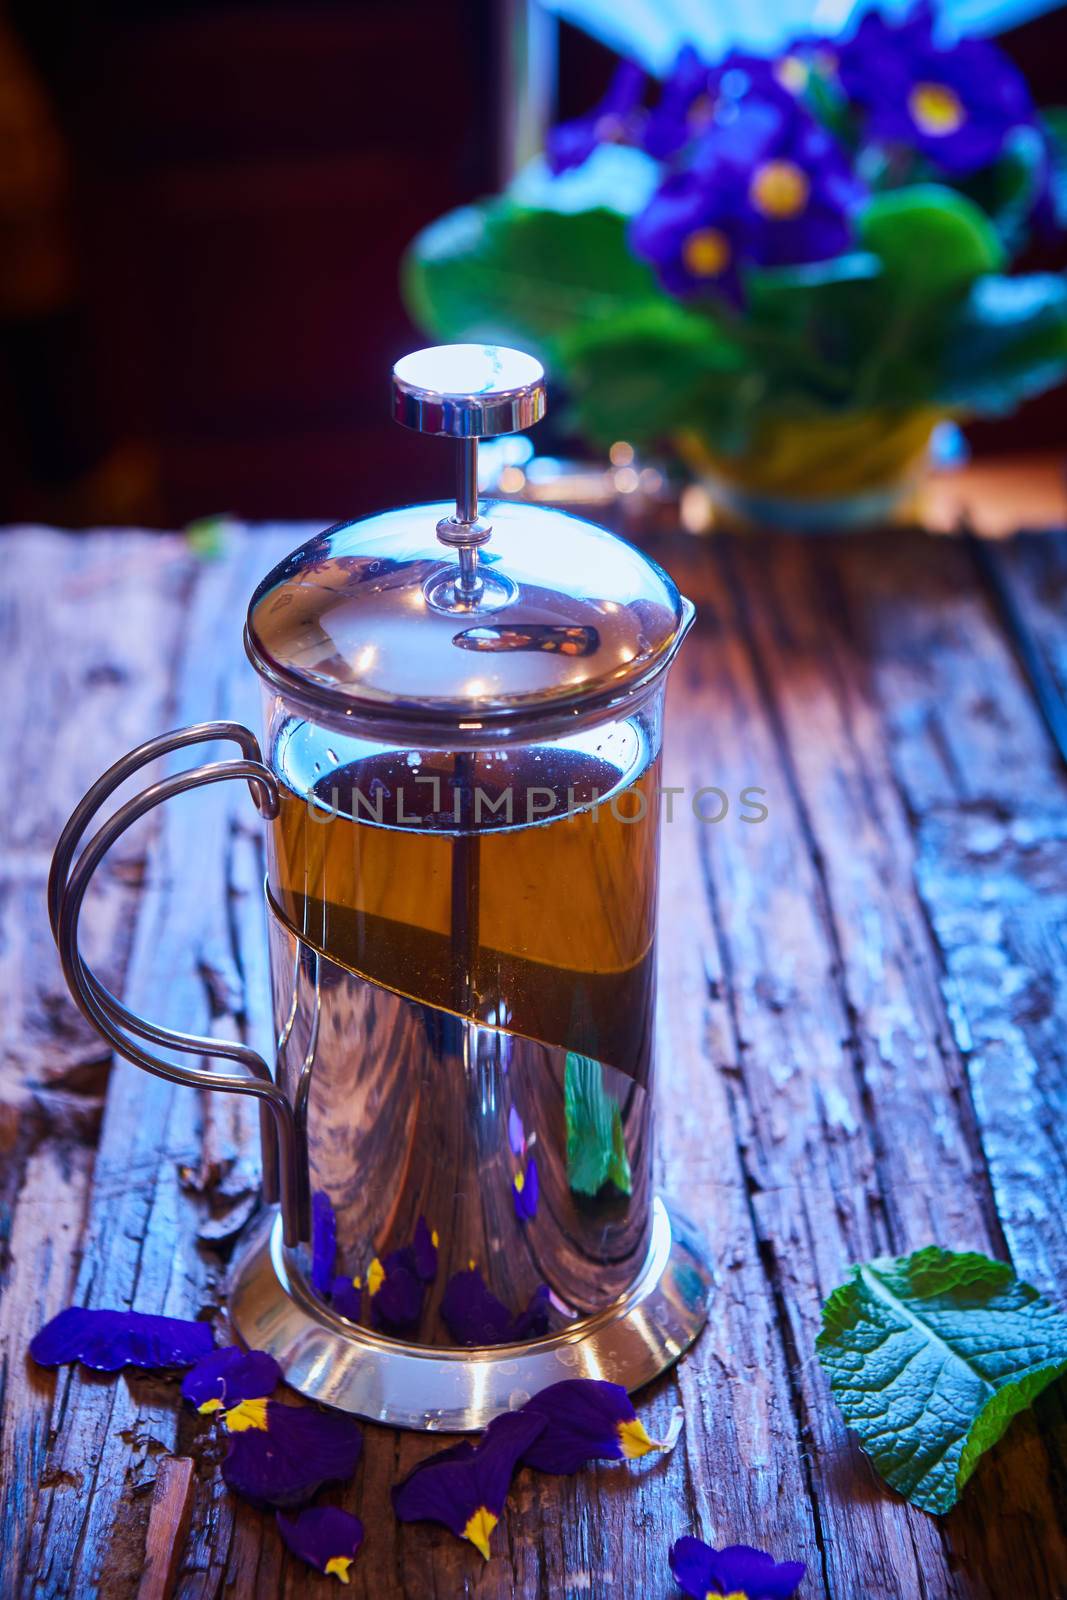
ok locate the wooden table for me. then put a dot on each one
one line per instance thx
(864, 1049)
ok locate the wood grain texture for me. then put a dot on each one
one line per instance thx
(862, 1009)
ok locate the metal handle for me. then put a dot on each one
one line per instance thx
(67, 884)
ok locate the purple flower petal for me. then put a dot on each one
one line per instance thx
(229, 1375)
(279, 1454)
(396, 1293)
(474, 1316)
(691, 1562)
(108, 1340)
(325, 1537)
(323, 1242)
(516, 1133)
(525, 1190)
(465, 1487)
(701, 1570)
(346, 1295)
(613, 120)
(585, 1418)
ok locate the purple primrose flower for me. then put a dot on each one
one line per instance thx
(323, 1242)
(525, 1189)
(346, 1297)
(738, 1571)
(768, 187)
(465, 1487)
(325, 1537)
(475, 1316)
(612, 121)
(585, 1418)
(229, 1375)
(957, 104)
(279, 1454)
(108, 1340)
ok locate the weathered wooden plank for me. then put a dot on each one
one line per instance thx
(78, 690)
(799, 1110)
(931, 1177)
(168, 1524)
(140, 1243)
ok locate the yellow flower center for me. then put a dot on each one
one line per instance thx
(936, 109)
(520, 1182)
(338, 1567)
(247, 1414)
(706, 253)
(478, 1528)
(435, 1239)
(634, 1439)
(792, 73)
(208, 1406)
(375, 1276)
(779, 189)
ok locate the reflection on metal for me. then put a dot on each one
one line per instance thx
(407, 1385)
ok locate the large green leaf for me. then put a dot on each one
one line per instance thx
(653, 369)
(520, 275)
(931, 241)
(596, 1149)
(930, 1357)
(616, 177)
(1007, 341)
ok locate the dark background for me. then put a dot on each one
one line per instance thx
(209, 202)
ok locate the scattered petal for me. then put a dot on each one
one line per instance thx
(465, 1487)
(230, 1375)
(525, 1190)
(323, 1536)
(323, 1242)
(279, 1454)
(108, 1340)
(701, 1571)
(474, 1316)
(585, 1419)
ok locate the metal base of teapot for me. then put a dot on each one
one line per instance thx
(437, 1389)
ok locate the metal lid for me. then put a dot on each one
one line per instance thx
(468, 621)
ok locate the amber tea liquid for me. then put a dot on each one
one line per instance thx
(516, 888)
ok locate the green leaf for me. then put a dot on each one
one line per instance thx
(930, 1357)
(649, 371)
(596, 1149)
(615, 178)
(1007, 341)
(499, 271)
(931, 241)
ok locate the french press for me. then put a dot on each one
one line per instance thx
(462, 711)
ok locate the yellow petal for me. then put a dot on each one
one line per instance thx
(210, 1405)
(338, 1567)
(375, 1276)
(248, 1414)
(478, 1529)
(435, 1239)
(634, 1439)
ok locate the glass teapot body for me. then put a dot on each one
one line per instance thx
(463, 962)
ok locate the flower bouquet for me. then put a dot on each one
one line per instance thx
(785, 270)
